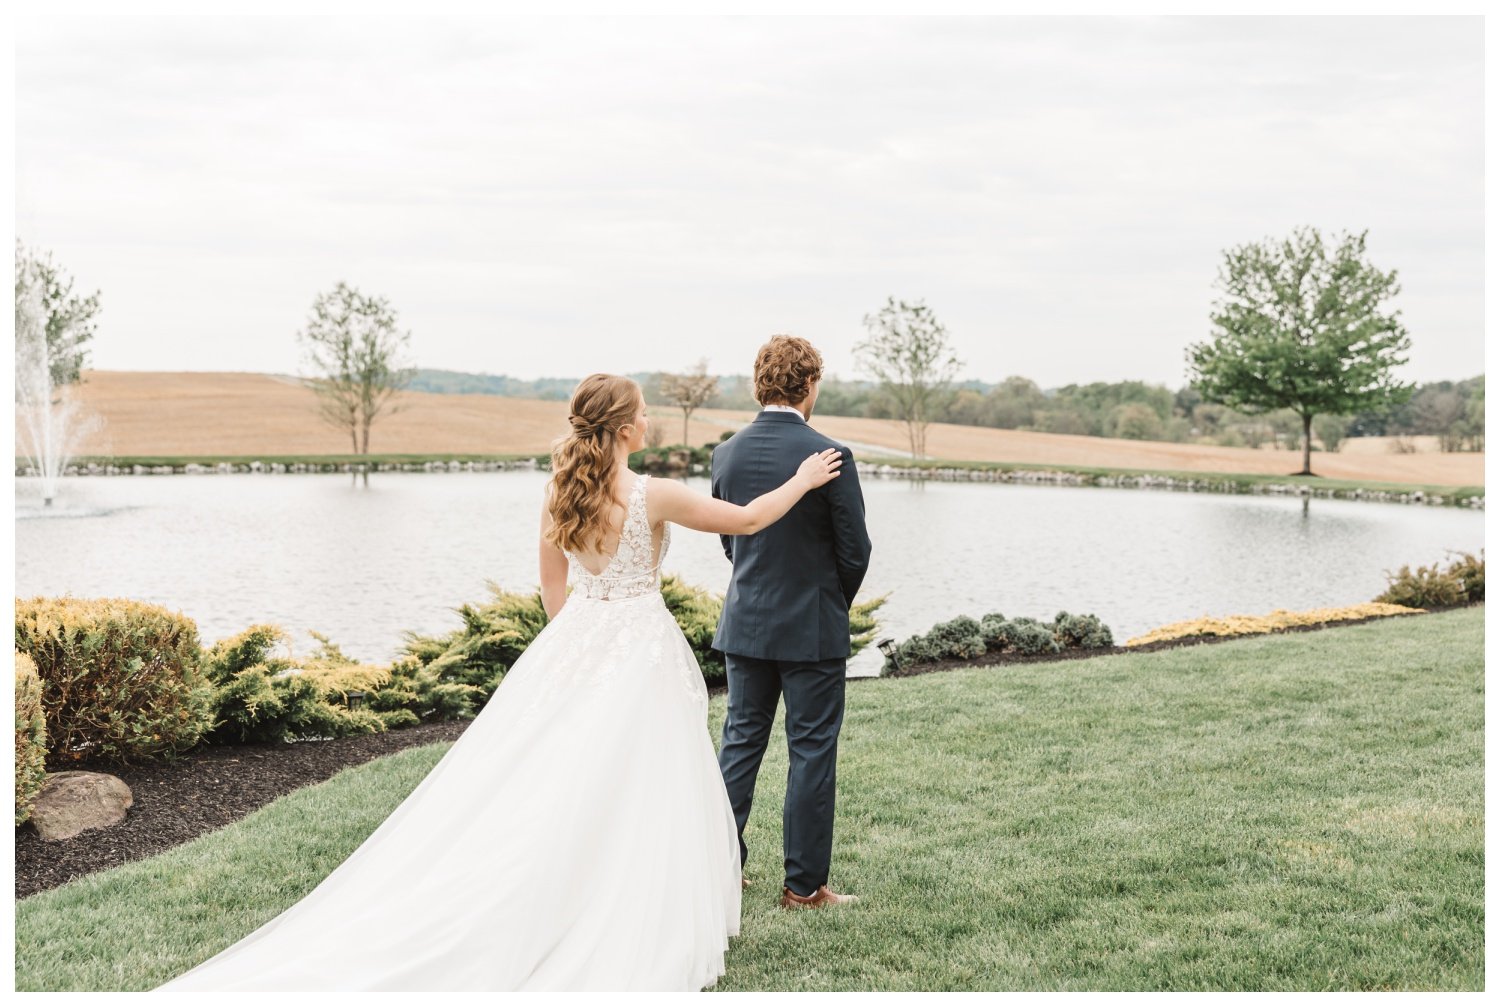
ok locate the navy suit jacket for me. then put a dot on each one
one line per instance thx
(793, 581)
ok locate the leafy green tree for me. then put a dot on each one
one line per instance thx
(1441, 411)
(968, 408)
(1185, 400)
(1097, 403)
(1136, 421)
(1209, 418)
(1474, 417)
(69, 316)
(839, 398)
(908, 352)
(351, 342)
(1015, 402)
(1062, 421)
(1302, 327)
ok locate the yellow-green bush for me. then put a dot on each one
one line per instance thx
(1249, 625)
(261, 696)
(131, 679)
(473, 657)
(1431, 587)
(31, 737)
(697, 615)
(448, 675)
(862, 623)
(1469, 569)
(121, 680)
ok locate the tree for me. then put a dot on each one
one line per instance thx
(1061, 421)
(908, 352)
(1209, 418)
(689, 391)
(1331, 430)
(1015, 402)
(1441, 410)
(1299, 327)
(967, 408)
(69, 317)
(1474, 418)
(1136, 421)
(1286, 427)
(351, 342)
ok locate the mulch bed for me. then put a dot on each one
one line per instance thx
(213, 785)
(204, 788)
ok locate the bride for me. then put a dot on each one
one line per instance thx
(577, 835)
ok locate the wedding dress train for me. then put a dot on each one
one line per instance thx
(576, 836)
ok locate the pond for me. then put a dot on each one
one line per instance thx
(364, 562)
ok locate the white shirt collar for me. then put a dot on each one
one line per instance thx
(784, 409)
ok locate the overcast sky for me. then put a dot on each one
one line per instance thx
(551, 197)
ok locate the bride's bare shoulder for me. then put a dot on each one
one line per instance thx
(664, 495)
(668, 488)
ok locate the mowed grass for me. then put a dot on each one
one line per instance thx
(1300, 811)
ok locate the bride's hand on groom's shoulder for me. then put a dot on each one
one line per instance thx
(668, 500)
(820, 468)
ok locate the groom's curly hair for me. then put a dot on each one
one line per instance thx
(785, 369)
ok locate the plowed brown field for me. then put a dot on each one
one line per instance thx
(237, 413)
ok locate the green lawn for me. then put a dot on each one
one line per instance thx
(1302, 811)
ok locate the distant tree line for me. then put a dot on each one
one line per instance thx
(1450, 410)
(1135, 410)
(462, 383)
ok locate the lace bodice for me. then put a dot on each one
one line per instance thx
(632, 571)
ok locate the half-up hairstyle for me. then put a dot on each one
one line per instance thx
(583, 462)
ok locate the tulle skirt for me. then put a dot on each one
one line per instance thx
(576, 836)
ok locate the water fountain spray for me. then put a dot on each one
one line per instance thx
(51, 427)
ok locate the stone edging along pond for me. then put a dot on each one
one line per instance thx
(1207, 483)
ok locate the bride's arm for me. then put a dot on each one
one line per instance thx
(554, 568)
(669, 500)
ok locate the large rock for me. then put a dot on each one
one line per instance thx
(74, 800)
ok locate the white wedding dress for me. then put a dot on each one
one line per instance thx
(577, 835)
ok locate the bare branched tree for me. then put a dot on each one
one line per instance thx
(689, 391)
(908, 352)
(351, 343)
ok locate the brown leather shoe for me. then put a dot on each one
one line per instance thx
(824, 896)
(744, 882)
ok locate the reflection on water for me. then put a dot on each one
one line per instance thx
(365, 562)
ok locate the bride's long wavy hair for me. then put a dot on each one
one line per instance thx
(583, 462)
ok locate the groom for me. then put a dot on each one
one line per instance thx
(785, 625)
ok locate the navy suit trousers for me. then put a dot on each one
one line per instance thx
(814, 693)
